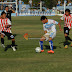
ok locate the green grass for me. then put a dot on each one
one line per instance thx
(25, 59)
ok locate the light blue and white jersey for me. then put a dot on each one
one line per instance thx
(50, 26)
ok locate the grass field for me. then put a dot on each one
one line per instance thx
(25, 59)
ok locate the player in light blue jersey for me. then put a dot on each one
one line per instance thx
(49, 32)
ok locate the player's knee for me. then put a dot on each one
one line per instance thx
(13, 39)
(2, 36)
(50, 39)
(65, 35)
(42, 39)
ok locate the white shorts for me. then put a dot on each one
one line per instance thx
(47, 35)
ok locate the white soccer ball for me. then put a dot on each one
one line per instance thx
(38, 49)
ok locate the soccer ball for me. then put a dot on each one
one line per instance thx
(38, 49)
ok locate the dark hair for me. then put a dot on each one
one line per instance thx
(6, 6)
(43, 18)
(67, 10)
(3, 13)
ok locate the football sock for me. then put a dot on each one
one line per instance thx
(66, 42)
(68, 38)
(41, 45)
(2, 40)
(13, 43)
(51, 45)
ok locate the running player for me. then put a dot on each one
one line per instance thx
(5, 25)
(50, 32)
(67, 26)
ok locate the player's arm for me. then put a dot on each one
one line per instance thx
(45, 31)
(59, 24)
(0, 16)
(9, 24)
(13, 11)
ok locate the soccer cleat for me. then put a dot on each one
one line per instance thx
(51, 51)
(66, 46)
(13, 47)
(71, 44)
(3, 45)
(42, 50)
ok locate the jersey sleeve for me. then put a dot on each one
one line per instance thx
(54, 22)
(9, 22)
(44, 28)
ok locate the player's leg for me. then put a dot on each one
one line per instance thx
(2, 40)
(13, 45)
(66, 33)
(51, 37)
(41, 43)
(67, 37)
(51, 45)
(11, 36)
(13, 42)
(66, 40)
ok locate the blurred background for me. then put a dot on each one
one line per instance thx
(36, 7)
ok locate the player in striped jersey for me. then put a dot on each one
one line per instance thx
(67, 26)
(5, 25)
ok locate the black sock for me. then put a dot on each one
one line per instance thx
(2, 40)
(66, 42)
(13, 43)
(68, 38)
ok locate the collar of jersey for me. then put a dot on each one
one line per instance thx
(46, 23)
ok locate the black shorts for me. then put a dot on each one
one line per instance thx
(66, 30)
(9, 35)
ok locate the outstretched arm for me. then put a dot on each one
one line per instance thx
(7, 26)
(13, 11)
(59, 24)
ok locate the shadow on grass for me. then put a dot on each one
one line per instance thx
(8, 47)
(48, 47)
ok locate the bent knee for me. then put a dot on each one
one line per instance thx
(42, 39)
(65, 35)
(2, 36)
(13, 39)
(50, 39)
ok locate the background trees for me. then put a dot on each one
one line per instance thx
(46, 3)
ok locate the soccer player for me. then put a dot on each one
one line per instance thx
(67, 26)
(8, 12)
(50, 32)
(5, 25)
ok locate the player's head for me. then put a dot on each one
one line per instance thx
(3, 15)
(67, 12)
(44, 19)
(6, 8)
